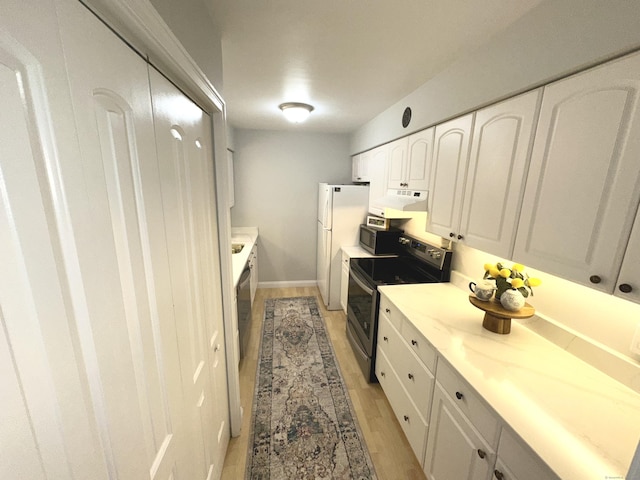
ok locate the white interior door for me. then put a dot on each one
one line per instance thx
(186, 177)
(46, 430)
(128, 340)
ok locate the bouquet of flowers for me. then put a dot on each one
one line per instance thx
(510, 278)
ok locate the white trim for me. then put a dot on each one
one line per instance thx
(138, 23)
(289, 284)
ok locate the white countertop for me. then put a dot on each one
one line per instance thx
(248, 236)
(581, 422)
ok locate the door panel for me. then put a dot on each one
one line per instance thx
(45, 427)
(128, 339)
(186, 178)
(451, 149)
(582, 188)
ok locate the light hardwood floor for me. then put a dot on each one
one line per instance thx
(391, 454)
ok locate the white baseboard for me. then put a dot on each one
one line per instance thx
(291, 284)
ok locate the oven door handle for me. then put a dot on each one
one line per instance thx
(357, 279)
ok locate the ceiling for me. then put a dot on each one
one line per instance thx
(350, 59)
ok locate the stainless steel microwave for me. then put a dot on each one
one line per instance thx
(379, 242)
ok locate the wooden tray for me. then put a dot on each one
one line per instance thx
(497, 319)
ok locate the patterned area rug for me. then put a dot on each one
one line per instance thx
(303, 424)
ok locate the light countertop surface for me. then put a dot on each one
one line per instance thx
(248, 236)
(581, 422)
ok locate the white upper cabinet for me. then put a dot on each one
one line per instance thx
(377, 174)
(360, 167)
(583, 187)
(476, 198)
(397, 163)
(451, 151)
(628, 285)
(410, 161)
(496, 175)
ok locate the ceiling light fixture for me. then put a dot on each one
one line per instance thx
(296, 112)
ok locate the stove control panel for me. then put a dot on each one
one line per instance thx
(436, 256)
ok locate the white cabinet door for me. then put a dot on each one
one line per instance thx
(500, 149)
(581, 192)
(378, 174)
(455, 450)
(360, 167)
(253, 264)
(397, 163)
(628, 284)
(451, 151)
(419, 157)
(516, 461)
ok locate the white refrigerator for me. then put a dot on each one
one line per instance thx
(341, 210)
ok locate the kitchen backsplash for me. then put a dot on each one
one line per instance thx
(593, 326)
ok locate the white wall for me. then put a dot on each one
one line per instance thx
(276, 189)
(554, 39)
(191, 22)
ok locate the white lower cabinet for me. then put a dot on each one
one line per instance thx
(406, 379)
(412, 423)
(516, 461)
(455, 449)
(454, 433)
(253, 265)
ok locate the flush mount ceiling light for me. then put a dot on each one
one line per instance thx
(296, 112)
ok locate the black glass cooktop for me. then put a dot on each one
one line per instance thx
(394, 270)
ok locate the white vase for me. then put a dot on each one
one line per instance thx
(512, 300)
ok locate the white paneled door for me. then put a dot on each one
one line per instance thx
(112, 362)
(46, 427)
(186, 178)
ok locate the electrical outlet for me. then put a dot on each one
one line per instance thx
(635, 343)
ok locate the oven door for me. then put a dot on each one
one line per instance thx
(362, 305)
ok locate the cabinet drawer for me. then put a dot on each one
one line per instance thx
(423, 349)
(516, 461)
(390, 341)
(413, 425)
(469, 402)
(391, 312)
(414, 375)
(417, 380)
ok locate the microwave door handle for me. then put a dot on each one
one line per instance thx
(366, 288)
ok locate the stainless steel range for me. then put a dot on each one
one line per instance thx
(417, 262)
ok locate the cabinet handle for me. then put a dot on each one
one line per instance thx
(414, 343)
(481, 453)
(386, 339)
(499, 475)
(459, 395)
(460, 237)
(595, 279)
(625, 288)
(387, 310)
(451, 234)
(406, 419)
(382, 374)
(410, 376)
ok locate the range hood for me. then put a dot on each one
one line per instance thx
(399, 203)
